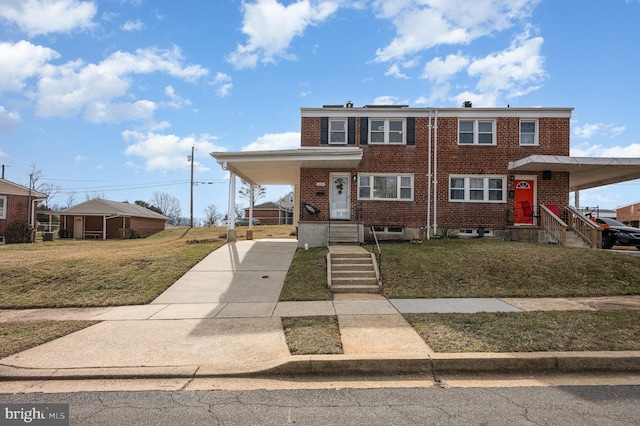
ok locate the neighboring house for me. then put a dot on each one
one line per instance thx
(106, 219)
(17, 204)
(409, 172)
(629, 214)
(271, 214)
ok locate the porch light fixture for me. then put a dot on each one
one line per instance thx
(354, 178)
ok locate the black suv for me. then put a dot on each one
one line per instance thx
(618, 234)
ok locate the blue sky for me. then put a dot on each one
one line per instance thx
(108, 97)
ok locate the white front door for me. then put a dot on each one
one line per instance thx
(78, 228)
(339, 196)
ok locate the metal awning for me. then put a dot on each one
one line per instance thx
(282, 167)
(584, 172)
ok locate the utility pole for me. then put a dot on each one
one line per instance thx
(191, 209)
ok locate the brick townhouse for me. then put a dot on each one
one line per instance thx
(409, 172)
(466, 150)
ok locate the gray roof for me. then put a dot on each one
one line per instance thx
(100, 207)
(10, 188)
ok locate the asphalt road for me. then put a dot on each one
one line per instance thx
(566, 405)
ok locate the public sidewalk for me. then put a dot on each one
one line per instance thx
(222, 318)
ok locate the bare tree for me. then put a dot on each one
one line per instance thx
(212, 215)
(91, 195)
(71, 197)
(168, 204)
(35, 181)
(258, 192)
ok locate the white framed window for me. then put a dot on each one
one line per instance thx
(389, 229)
(390, 131)
(528, 132)
(338, 130)
(477, 188)
(476, 132)
(474, 232)
(385, 187)
(3, 207)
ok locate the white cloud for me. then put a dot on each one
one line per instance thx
(423, 24)
(36, 17)
(275, 141)
(513, 71)
(223, 84)
(272, 26)
(176, 100)
(588, 130)
(9, 121)
(587, 150)
(75, 87)
(166, 151)
(388, 100)
(394, 70)
(21, 60)
(440, 70)
(131, 26)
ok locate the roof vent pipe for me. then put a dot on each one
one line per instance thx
(466, 104)
(349, 104)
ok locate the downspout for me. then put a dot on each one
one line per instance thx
(104, 227)
(435, 174)
(429, 183)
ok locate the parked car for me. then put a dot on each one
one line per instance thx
(245, 222)
(618, 234)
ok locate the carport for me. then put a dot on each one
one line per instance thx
(280, 167)
(584, 172)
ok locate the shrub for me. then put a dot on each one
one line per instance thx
(18, 232)
(130, 234)
(446, 234)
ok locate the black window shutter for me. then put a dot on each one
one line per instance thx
(324, 130)
(351, 125)
(364, 130)
(411, 131)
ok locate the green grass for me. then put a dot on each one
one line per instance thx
(490, 268)
(529, 331)
(69, 273)
(312, 335)
(20, 336)
(307, 276)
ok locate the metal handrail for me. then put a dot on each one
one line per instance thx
(377, 247)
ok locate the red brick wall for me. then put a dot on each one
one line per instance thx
(628, 213)
(554, 139)
(146, 226)
(17, 211)
(266, 217)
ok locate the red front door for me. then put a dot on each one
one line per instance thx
(523, 192)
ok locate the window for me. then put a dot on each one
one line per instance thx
(385, 187)
(476, 132)
(477, 189)
(3, 207)
(389, 229)
(337, 131)
(387, 131)
(528, 132)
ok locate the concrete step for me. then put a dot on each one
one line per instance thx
(353, 274)
(350, 257)
(352, 267)
(354, 281)
(355, 289)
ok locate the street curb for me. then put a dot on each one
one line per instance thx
(462, 362)
(435, 364)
